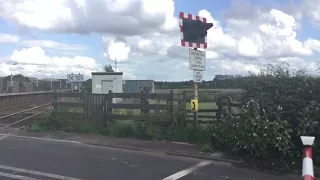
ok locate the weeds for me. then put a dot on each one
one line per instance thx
(36, 128)
(206, 148)
(132, 129)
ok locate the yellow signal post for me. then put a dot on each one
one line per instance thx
(194, 105)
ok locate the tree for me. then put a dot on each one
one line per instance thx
(87, 86)
(18, 78)
(108, 68)
(43, 85)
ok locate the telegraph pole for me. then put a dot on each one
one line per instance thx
(79, 84)
(115, 65)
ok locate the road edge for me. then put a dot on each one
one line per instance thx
(234, 162)
(167, 153)
(238, 163)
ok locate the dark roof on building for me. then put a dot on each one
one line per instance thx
(107, 73)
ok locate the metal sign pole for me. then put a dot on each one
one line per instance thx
(194, 33)
(195, 114)
(75, 81)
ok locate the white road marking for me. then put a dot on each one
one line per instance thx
(37, 173)
(187, 171)
(38, 138)
(14, 176)
(3, 137)
(6, 135)
(188, 144)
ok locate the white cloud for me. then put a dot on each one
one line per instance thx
(235, 67)
(124, 17)
(298, 63)
(43, 14)
(50, 44)
(9, 38)
(144, 35)
(33, 61)
(307, 9)
(269, 34)
(311, 9)
(247, 47)
(313, 44)
(116, 50)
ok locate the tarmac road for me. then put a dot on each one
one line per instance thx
(30, 158)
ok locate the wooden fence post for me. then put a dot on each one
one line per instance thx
(220, 108)
(104, 106)
(89, 108)
(109, 102)
(183, 108)
(85, 108)
(144, 100)
(101, 119)
(95, 108)
(54, 113)
(229, 104)
(172, 110)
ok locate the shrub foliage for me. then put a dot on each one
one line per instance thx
(280, 104)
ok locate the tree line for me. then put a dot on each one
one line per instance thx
(218, 82)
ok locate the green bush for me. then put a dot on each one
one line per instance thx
(280, 104)
(155, 132)
(140, 130)
(88, 128)
(121, 129)
(51, 123)
(206, 147)
(36, 128)
(253, 134)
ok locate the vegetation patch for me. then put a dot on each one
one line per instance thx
(278, 106)
(133, 129)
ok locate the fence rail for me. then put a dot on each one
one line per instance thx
(155, 107)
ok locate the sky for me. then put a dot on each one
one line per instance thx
(46, 38)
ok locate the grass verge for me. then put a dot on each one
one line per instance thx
(133, 129)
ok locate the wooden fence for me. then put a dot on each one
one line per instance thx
(155, 107)
(212, 113)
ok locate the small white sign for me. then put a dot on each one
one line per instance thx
(71, 78)
(197, 76)
(98, 86)
(197, 60)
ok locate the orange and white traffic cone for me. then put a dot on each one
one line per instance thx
(307, 165)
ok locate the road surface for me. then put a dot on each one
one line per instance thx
(29, 158)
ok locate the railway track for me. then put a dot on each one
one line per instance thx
(20, 106)
(24, 116)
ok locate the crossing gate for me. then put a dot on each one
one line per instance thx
(95, 108)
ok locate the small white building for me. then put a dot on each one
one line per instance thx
(102, 82)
